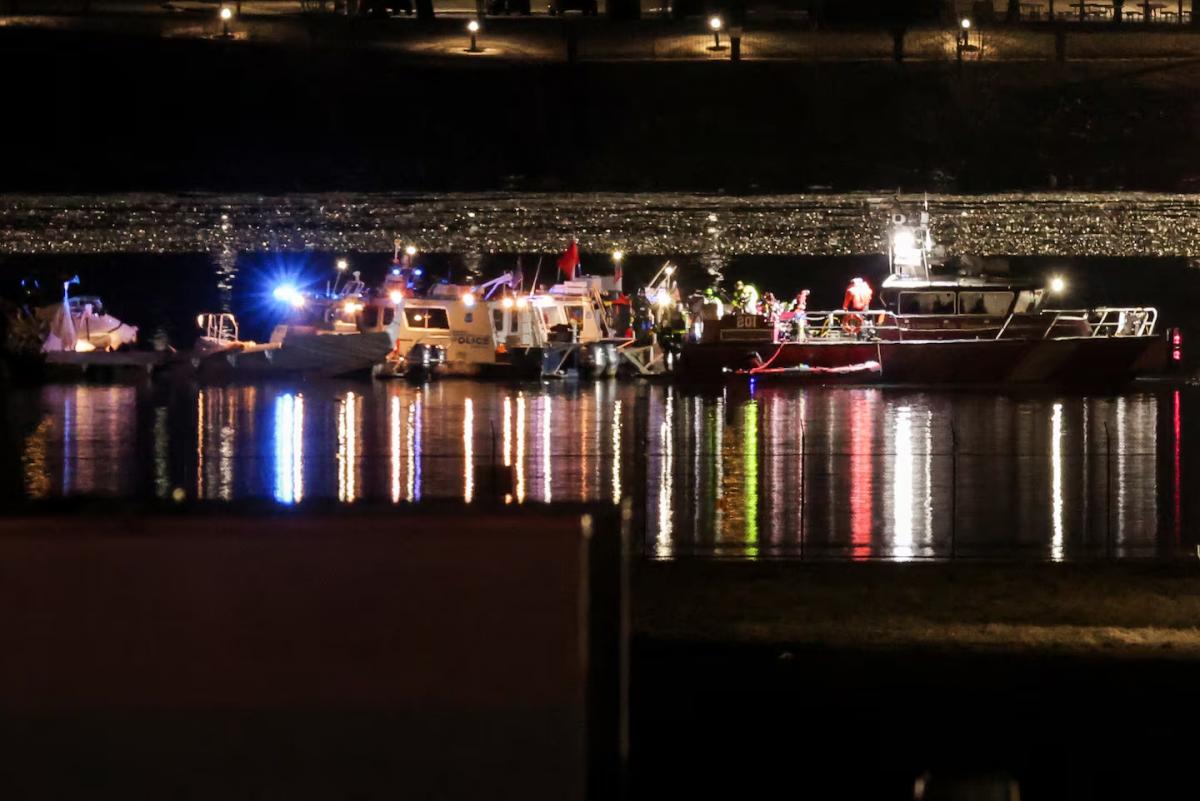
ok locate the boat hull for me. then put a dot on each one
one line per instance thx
(1068, 360)
(316, 355)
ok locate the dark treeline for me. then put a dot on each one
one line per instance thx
(102, 113)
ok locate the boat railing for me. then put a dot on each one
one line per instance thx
(1124, 321)
(1105, 321)
(836, 323)
(222, 326)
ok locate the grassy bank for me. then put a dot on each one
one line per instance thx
(108, 112)
(1085, 610)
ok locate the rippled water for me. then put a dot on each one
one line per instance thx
(1056, 224)
(818, 473)
(857, 473)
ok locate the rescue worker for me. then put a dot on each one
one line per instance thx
(713, 298)
(857, 299)
(770, 307)
(800, 316)
(745, 298)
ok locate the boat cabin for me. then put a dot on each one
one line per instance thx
(516, 323)
(575, 309)
(983, 296)
(453, 318)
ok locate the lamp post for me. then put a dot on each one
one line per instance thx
(715, 23)
(960, 41)
(226, 14)
(473, 29)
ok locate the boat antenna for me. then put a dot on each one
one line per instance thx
(538, 270)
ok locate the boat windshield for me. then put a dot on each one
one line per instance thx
(926, 303)
(993, 304)
(426, 318)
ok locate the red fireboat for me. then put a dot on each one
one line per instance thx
(940, 320)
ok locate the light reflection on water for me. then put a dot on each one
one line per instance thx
(768, 471)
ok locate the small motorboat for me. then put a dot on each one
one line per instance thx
(82, 338)
(298, 350)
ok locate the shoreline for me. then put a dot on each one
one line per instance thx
(1110, 610)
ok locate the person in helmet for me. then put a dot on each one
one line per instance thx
(799, 310)
(857, 299)
(745, 298)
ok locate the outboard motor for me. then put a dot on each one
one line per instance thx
(422, 361)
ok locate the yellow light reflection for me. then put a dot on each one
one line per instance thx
(225, 460)
(347, 455)
(520, 448)
(413, 442)
(718, 457)
(507, 431)
(1119, 479)
(616, 452)
(1056, 482)
(468, 437)
(34, 460)
(666, 488)
(902, 485)
(546, 474)
(201, 399)
(394, 445)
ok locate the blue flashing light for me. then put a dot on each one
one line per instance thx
(395, 271)
(418, 271)
(286, 293)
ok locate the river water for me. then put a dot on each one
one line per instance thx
(772, 471)
(763, 471)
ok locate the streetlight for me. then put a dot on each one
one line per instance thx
(226, 15)
(473, 28)
(960, 41)
(618, 255)
(343, 265)
(715, 23)
(410, 251)
(1057, 285)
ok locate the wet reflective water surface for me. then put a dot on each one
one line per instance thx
(747, 472)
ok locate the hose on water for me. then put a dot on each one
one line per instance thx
(768, 362)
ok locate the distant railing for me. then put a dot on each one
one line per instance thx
(222, 326)
(1116, 321)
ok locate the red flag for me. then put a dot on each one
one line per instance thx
(569, 260)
